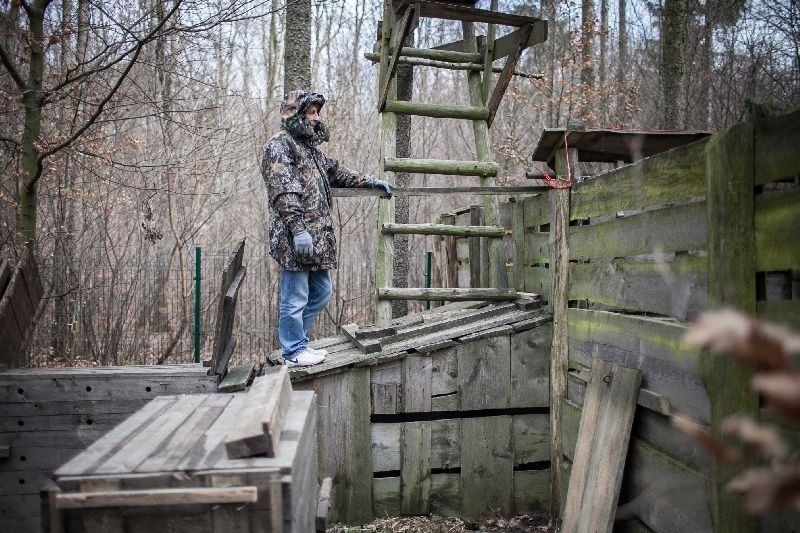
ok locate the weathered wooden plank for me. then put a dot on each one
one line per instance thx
(673, 176)
(444, 372)
(536, 211)
(384, 398)
(678, 228)
(323, 504)
(538, 280)
(444, 448)
(416, 384)
(780, 311)
(449, 294)
(365, 345)
(201, 453)
(238, 378)
(415, 468)
(344, 438)
(156, 497)
(775, 148)
(484, 373)
(442, 166)
(525, 33)
(437, 110)
(467, 13)
(385, 447)
(259, 425)
(530, 367)
(731, 272)
(673, 288)
(486, 467)
(444, 229)
(97, 453)
(536, 251)
(531, 491)
(224, 322)
(777, 217)
(530, 438)
(446, 494)
(601, 448)
(386, 496)
(668, 366)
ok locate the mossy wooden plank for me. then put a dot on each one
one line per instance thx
(530, 367)
(537, 280)
(530, 438)
(445, 446)
(416, 385)
(676, 175)
(775, 148)
(680, 228)
(674, 288)
(415, 468)
(731, 282)
(536, 251)
(780, 311)
(486, 467)
(668, 366)
(536, 211)
(484, 373)
(446, 494)
(777, 219)
(386, 496)
(570, 422)
(531, 491)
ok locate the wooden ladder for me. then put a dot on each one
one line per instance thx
(475, 55)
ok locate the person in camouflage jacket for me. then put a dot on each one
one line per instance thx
(299, 178)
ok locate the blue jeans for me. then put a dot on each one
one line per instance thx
(304, 295)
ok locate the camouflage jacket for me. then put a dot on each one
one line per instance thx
(299, 179)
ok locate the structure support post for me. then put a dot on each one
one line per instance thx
(559, 200)
(731, 283)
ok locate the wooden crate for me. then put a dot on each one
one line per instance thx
(166, 469)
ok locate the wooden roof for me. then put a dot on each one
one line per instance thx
(424, 332)
(610, 146)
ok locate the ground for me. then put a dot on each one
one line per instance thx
(438, 524)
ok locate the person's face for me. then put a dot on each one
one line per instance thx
(312, 114)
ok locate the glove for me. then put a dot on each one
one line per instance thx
(302, 244)
(380, 184)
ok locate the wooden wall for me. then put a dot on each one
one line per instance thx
(640, 249)
(47, 416)
(461, 431)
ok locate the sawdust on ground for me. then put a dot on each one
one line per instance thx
(439, 524)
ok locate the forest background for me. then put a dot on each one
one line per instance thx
(131, 135)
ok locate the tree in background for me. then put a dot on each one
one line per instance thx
(672, 42)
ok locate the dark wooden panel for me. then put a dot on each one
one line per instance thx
(530, 367)
(486, 467)
(536, 248)
(775, 148)
(536, 211)
(676, 288)
(537, 280)
(780, 311)
(531, 491)
(677, 175)
(681, 228)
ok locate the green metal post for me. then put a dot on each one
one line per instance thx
(428, 263)
(197, 260)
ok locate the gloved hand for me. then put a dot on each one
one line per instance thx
(303, 246)
(380, 184)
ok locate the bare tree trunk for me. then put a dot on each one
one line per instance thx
(603, 64)
(405, 82)
(297, 46)
(707, 62)
(672, 64)
(550, 13)
(587, 56)
(622, 61)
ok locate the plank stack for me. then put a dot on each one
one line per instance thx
(203, 462)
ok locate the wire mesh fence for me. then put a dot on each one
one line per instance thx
(144, 312)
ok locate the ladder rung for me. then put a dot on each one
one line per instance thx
(437, 110)
(441, 55)
(453, 295)
(441, 166)
(443, 229)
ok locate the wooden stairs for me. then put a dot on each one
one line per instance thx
(476, 56)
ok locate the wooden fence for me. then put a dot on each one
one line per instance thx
(643, 249)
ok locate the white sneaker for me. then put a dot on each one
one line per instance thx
(305, 358)
(319, 351)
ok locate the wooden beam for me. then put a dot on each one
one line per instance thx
(442, 166)
(442, 55)
(399, 34)
(365, 345)
(324, 504)
(731, 283)
(508, 71)
(453, 295)
(156, 497)
(433, 63)
(437, 110)
(447, 11)
(426, 191)
(444, 229)
(508, 44)
(238, 378)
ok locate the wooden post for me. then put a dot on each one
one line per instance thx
(475, 217)
(559, 200)
(731, 283)
(384, 256)
(448, 255)
(491, 212)
(518, 233)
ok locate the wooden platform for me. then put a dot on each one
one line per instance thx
(48, 415)
(175, 446)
